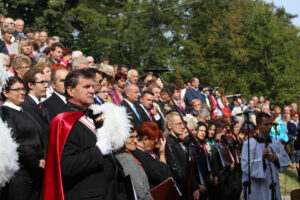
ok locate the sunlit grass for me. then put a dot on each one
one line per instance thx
(288, 182)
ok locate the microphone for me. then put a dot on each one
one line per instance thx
(234, 95)
(158, 70)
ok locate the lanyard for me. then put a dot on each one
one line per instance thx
(144, 150)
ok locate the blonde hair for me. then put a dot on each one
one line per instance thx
(23, 43)
(169, 118)
(108, 69)
(43, 65)
(191, 122)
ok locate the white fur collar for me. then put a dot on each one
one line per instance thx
(116, 125)
(8, 154)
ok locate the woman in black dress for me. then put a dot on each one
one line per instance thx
(150, 138)
(27, 182)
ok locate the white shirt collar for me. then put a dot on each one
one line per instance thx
(34, 99)
(144, 109)
(61, 96)
(13, 106)
(131, 104)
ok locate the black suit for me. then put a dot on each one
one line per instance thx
(27, 181)
(53, 106)
(133, 117)
(156, 170)
(31, 107)
(52, 61)
(145, 117)
(98, 100)
(86, 173)
(161, 105)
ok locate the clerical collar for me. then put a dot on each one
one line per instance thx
(75, 108)
(13, 106)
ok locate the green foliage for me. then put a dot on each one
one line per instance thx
(245, 46)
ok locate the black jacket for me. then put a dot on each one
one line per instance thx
(201, 165)
(133, 118)
(156, 171)
(3, 48)
(33, 109)
(27, 181)
(145, 118)
(178, 162)
(86, 173)
(53, 106)
(27, 135)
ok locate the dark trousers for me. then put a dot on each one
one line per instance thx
(23, 186)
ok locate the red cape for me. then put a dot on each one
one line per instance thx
(59, 130)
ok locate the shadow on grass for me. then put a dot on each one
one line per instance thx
(292, 174)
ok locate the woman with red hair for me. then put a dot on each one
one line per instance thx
(150, 138)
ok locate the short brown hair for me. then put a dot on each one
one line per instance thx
(7, 29)
(43, 65)
(18, 60)
(29, 76)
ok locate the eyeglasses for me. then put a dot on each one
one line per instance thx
(98, 81)
(41, 82)
(133, 137)
(19, 89)
(178, 124)
(27, 67)
(104, 91)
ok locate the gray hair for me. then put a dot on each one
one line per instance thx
(77, 61)
(76, 54)
(6, 57)
(191, 122)
(130, 72)
(56, 38)
(40, 55)
(108, 69)
(203, 113)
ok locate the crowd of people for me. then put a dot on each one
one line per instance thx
(195, 135)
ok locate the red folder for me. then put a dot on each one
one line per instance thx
(166, 190)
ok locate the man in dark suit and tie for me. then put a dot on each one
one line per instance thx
(131, 92)
(148, 111)
(98, 77)
(36, 85)
(158, 103)
(57, 102)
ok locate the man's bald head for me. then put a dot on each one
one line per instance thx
(131, 92)
(9, 22)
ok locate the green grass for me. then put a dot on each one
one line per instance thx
(288, 182)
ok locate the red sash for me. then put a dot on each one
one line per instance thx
(59, 130)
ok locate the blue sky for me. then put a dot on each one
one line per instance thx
(290, 6)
